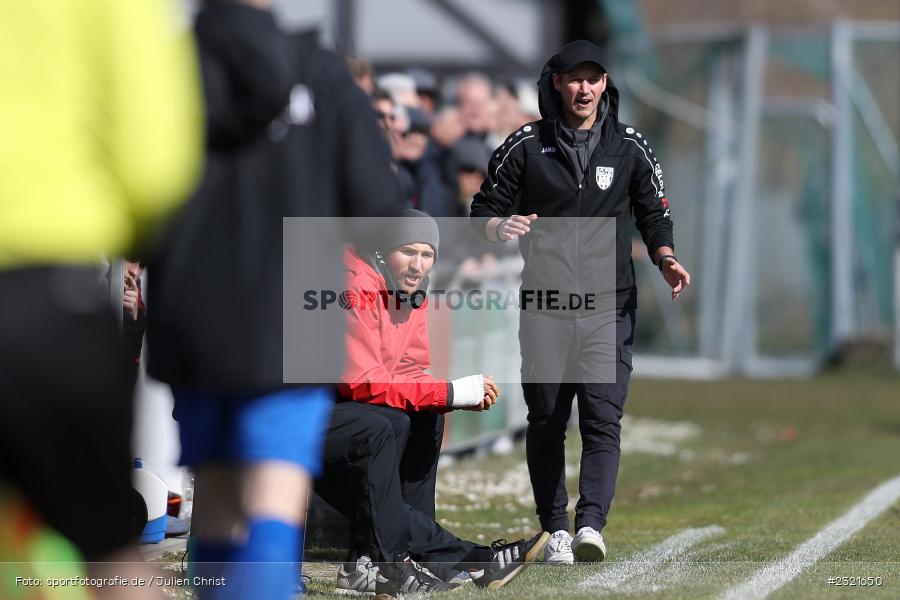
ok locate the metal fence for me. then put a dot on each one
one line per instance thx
(780, 147)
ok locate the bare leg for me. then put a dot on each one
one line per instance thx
(227, 497)
(127, 563)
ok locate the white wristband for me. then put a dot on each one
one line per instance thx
(467, 391)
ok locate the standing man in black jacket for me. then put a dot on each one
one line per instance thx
(578, 163)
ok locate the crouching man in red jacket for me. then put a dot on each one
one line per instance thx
(387, 351)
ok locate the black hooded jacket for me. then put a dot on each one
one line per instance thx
(532, 173)
(288, 135)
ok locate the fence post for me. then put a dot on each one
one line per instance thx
(842, 289)
(738, 327)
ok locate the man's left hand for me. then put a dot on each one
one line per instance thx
(676, 276)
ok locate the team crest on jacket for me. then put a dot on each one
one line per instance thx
(604, 177)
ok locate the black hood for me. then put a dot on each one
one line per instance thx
(548, 98)
(247, 71)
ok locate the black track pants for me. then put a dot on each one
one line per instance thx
(554, 373)
(361, 480)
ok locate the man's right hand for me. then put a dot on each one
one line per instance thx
(512, 227)
(491, 394)
(130, 298)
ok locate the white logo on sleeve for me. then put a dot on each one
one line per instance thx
(604, 177)
(657, 170)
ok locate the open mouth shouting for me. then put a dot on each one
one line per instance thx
(584, 103)
(411, 280)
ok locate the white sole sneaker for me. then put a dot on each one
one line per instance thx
(354, 593)
(588, 546)
(559, 558)
(559, 549)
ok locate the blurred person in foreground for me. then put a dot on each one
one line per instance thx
(578, 161)
(382, 443)
(101, 141)
(276, 149)
(361, 71)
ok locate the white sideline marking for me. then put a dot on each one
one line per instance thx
(649, 559)
(770, 578)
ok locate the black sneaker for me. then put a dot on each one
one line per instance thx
(408, 577)
(509, 560)
(356, 578)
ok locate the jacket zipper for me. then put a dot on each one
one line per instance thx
(580, 178)
(578, 241)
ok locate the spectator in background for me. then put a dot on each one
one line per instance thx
(508, 113)
(474, 97)
(101, 141)
(288, 135)
(421, 158)
(402, 89)
(529, 102)
(447, 127)
(471, 161)
(468, 258)
(362, 74)
(383, 105)
(427, 88)
(393, 129)
(446, 131)
(414, 136)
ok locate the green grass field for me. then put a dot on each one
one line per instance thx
(769, 463)
(751, 469)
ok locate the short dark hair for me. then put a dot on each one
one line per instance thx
(381, 94)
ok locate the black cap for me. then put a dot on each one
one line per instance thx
(419, 120)
(426, 82)
(580, 51)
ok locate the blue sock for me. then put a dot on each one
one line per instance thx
(208, 559)
(201, 551)
(267, 566)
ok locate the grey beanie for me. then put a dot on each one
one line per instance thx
(412, 227)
